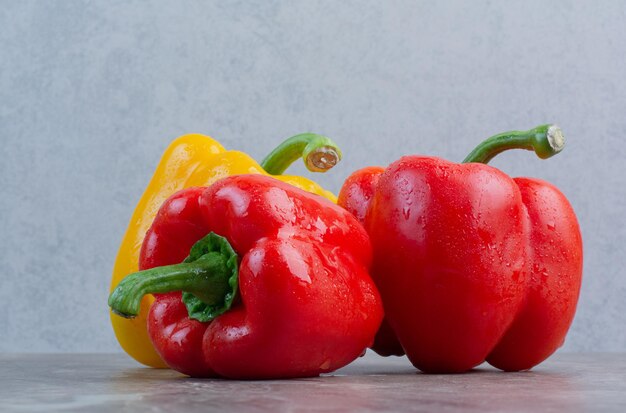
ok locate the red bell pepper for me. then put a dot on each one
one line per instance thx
(471, 264)
(293, 265)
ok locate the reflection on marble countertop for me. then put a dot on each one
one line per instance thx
(113, 382)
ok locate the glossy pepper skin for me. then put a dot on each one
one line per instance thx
(307, 303)
(198, 160)
(471, 264)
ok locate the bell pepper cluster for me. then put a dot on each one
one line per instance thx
(230, 269)
(198, 160)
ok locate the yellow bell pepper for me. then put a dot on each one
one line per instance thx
(198, 160)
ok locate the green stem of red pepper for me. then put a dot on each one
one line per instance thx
(208, 278)
(318, 152)
(545, 140)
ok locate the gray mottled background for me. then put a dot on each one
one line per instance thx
(91, 93)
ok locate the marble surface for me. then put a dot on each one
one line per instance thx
(113, 382)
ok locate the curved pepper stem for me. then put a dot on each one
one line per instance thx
(208, 279)
(318, 152)
(545, 140)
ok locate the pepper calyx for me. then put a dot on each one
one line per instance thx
(202, 308)
(208, 278)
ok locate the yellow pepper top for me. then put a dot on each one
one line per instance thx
(198, 160)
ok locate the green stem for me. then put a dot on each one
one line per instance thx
(204, 279)
(208, 279)
(545, 140)
(318, 152)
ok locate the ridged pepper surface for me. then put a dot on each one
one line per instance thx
(471, 264)
(283, 290)
(198, 160)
